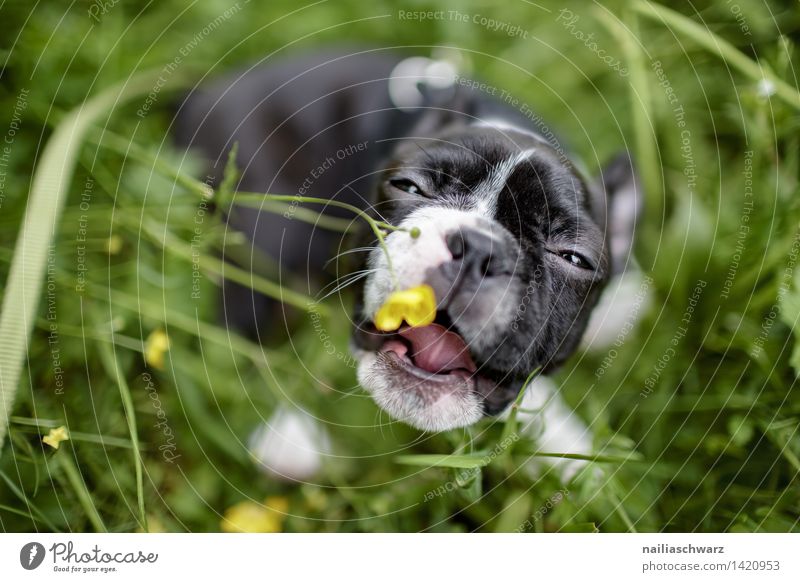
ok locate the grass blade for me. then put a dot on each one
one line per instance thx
(84, 497)
(720, 47)
(45, 204)
(510, 426)
(160, 235)
(112, 369)
(471, 461)
(31, 507)
(647, 155)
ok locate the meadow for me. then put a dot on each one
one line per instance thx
(110, 322)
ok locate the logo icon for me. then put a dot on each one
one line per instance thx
(31, 555)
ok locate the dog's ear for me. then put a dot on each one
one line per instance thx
(622, 200)
(442, 110)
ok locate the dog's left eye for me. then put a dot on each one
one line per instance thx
(576, 259)
(406, 186)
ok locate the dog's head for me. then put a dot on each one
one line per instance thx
(517, 247)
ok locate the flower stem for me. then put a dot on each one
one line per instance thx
(251, 199)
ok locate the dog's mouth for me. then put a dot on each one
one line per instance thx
(430, 361)
(432, 352)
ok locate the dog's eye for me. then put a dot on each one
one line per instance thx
(576, 259)
(406, 186)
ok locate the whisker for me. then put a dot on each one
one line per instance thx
(378, 416)
(337, 280)
(369, 205)
(348, 282)
(348, 252)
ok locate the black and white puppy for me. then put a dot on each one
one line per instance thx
(515, 241)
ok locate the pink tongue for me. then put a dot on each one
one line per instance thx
(437, 350)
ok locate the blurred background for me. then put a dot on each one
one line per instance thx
(694, 408)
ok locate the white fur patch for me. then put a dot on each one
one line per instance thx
(457, 409)
(555, 428)
(488, 191)
(412, 257)
(504, 127)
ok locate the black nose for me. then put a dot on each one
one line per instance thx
(480, 254)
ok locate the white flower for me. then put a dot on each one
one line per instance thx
(291, 445)
(766, 88)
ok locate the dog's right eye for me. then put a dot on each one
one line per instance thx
(406, 186)
(576, 260)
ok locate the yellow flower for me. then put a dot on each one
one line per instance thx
(416, 305)
(154, 525)
(114, 244)
(249, 517)
(56, 436)
(155, 347)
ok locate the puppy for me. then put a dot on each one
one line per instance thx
(516, 242)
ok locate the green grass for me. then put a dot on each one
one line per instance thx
(714, 445)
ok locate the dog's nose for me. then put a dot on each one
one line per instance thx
(480, 254)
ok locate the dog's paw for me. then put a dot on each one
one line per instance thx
(555, 428)
(291, 445)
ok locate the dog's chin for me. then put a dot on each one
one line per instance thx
(424, 377)
(429, 402)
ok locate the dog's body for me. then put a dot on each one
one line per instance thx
(516, 244)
